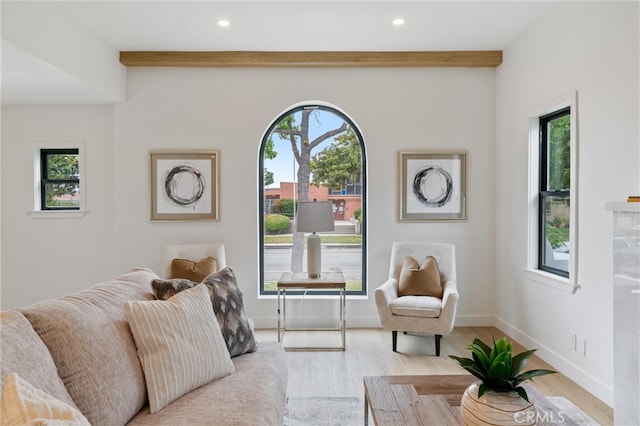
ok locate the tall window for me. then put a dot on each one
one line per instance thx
(554, 197)
(312, 152)
(59, 179)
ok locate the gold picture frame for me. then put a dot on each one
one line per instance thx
(184, 185)
(433, 186)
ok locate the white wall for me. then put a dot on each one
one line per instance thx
(591, 48)
(41, 257)
(228, 110)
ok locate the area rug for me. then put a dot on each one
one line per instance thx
(324, 411)
(349, 411)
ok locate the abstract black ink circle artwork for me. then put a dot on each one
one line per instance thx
(184, 185)
(433, 186)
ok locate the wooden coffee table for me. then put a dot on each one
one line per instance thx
(434, 400)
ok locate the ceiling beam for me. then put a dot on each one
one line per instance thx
(485, 58)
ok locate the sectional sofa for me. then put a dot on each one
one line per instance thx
(79, 350)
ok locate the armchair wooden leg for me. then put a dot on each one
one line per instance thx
(438, 337)
(394, 340)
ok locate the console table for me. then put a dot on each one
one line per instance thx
(301, 280)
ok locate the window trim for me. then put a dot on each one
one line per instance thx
(261, 293)
(569, 283)
(38, 212)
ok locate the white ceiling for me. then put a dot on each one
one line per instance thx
(299, 25)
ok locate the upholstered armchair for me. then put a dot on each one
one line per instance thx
(194, 253)
(419, 314)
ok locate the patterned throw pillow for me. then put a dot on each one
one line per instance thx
(164, 289)
(228, 306)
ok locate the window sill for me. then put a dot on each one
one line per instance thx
(59, 214)
(315, 296)
(551, 280)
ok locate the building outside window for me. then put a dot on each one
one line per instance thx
(312, 152)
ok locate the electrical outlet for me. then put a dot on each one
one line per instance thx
(572, 340)
(582, 345)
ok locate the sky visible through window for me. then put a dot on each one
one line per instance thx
(284, 166)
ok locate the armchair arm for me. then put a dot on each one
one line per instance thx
(384, 295)
(449, 307)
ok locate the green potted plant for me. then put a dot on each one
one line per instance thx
(501, 372)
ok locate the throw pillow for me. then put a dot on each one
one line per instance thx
(227, 303)
(164, 289)
(228, 306)
(194, 271)
(420, 280)
(24, 404)
(179, 344)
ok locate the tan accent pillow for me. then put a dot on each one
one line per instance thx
(22, 404)
(193, 271)
(179, 343)
(420, 280)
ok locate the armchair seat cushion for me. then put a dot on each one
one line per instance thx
(417, 306)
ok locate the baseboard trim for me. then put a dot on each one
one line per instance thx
(367, 321)
(475, 321)
(590, 383)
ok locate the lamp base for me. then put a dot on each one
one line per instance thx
(314, 262)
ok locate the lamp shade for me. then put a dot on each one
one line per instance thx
(315, 216)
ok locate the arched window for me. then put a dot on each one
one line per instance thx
(312, 152)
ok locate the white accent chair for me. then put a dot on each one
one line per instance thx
(419, 314)
(193, 252)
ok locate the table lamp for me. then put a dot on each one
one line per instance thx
(314, 216)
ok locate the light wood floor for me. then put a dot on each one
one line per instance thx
(339, 374)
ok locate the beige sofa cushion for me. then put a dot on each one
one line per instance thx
(90, 342)
(179, 343)
(24, 353)
(254, 395)
(23, 404)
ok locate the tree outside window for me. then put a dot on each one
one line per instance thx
(60, 179)
(307, 154)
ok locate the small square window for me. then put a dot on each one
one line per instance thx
(60, 179)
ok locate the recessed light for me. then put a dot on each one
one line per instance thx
(223, 23)
(398, 21)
